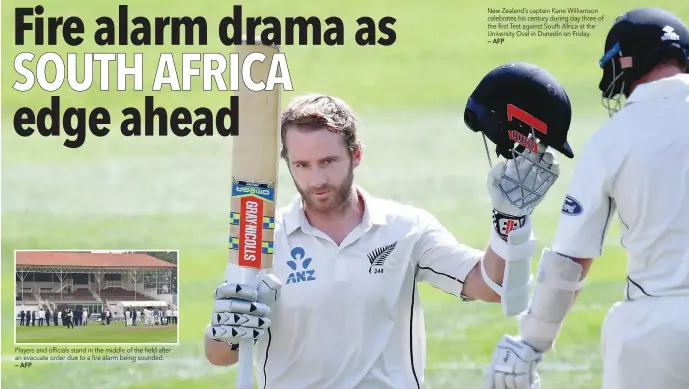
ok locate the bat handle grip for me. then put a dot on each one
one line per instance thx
(245, 374)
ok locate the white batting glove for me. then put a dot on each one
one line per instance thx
(513, 366)
(240, 312)
(513, 202)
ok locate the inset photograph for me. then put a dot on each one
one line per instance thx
(96, 297)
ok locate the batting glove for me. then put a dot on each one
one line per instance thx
(240, 312)
(518, 185)
(513, 366)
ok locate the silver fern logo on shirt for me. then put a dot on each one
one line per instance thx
(378, 257)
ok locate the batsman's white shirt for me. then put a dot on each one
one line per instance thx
(638, 165)
(349, 316)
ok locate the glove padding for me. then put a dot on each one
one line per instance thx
(505, 193)
(513, 366)
(240, 312)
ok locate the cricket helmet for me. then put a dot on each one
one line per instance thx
(639, 40)
(520, 106)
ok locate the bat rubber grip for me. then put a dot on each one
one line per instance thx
(245, 374)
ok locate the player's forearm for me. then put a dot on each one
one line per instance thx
(556, 290)
(476, 287)
(495, 270)
(585, 264)
(219, 353)
(492, 281)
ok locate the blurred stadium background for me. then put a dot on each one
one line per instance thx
(170, 192)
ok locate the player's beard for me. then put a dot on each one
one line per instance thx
(336, 200)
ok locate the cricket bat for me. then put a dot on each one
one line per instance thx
(255, 161)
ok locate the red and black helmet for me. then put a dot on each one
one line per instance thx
(518, 105)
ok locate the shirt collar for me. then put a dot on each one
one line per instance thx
(294, 217)
(661, 89)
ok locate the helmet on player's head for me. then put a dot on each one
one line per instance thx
(518, 106)
(638, 41)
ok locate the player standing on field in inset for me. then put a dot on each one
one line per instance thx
(70, 321)
(637, 164)
(340, 307)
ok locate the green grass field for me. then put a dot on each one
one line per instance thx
(151, 193)
(94, 332)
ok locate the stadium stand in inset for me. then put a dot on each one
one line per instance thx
(94, 281)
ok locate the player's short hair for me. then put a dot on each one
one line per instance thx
(316, 112)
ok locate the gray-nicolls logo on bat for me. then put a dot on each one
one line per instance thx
(378, 256)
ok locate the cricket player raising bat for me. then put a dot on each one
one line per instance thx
(638, 165)
(340, 307)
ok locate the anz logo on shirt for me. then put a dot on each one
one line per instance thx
(300, 266)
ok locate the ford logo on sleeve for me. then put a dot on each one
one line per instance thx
(571, 206)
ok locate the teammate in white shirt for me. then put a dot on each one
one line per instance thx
(638, 165)
(340, 307)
